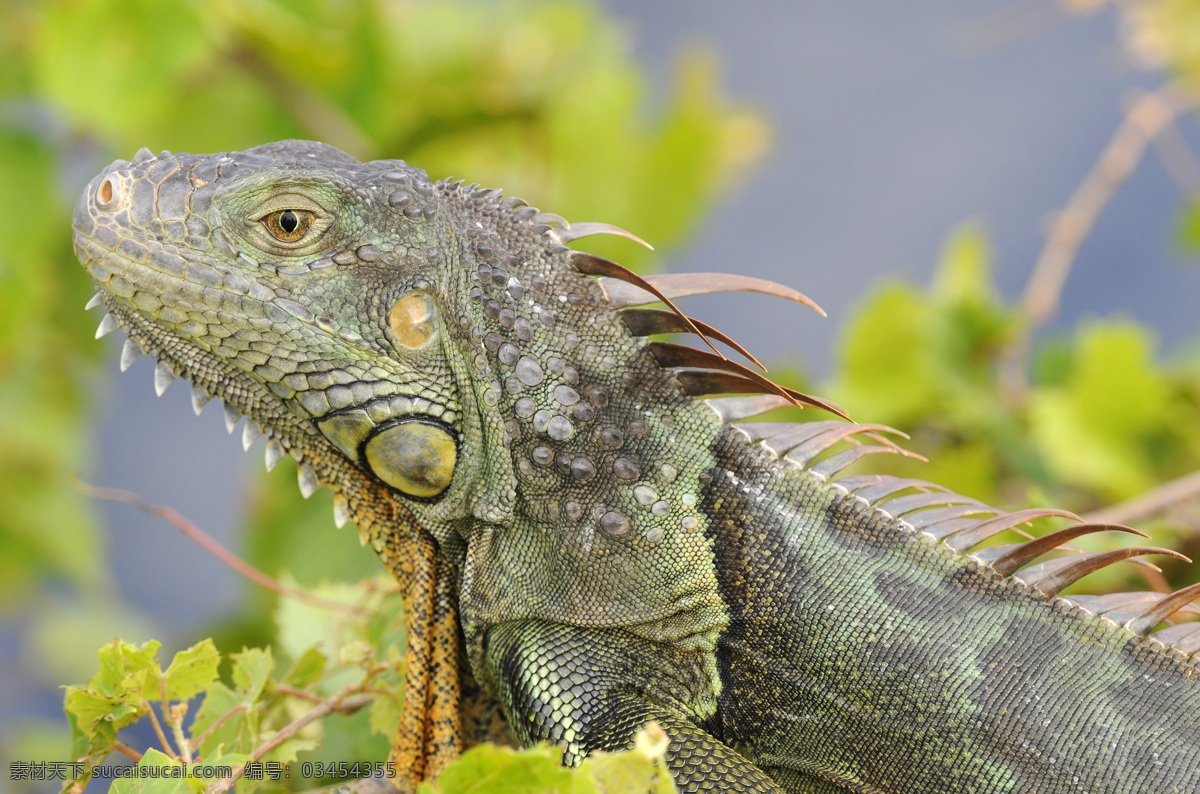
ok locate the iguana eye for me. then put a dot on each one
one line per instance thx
(288, 225)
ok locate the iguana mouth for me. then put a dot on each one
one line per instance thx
(103, 253)
(209, 376)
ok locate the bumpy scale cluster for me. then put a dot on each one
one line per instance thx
(606, 466)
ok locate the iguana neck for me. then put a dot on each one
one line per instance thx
(588, 514)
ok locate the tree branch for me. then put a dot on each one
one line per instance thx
(175, 716)
(162, 737)
(127, 751)
(1149, 115)
(204, 540)
(1144, 120)
(1011, 25)
(1151, 503)
(199, 740)
(1178, 159)
(344, 698)
(325, 118)
(311, 697)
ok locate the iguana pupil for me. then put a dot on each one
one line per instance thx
(288, 225)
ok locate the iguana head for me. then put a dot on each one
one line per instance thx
(436, 337)
(319, 296)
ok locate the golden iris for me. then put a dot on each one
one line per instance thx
(288, 225)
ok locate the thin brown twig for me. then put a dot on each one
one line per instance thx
(314, 110)
(1009, 26)
(298, 693)
(1143, 121)
(378, 692)
(176, 722)
(1178, 159)
(205, 541)
(349, 705)
(162, 737)
(127, 751)
(335, 702)
(355, 703)
(177, 713)
(199, 740)
(1151, 503)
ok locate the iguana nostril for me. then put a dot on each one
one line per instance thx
(108, 194)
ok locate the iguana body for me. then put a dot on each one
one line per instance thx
(593, 544)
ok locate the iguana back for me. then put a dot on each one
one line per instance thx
(590, 539)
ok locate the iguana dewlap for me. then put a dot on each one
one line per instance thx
(592, 542)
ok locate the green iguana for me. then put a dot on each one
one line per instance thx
(589, 538)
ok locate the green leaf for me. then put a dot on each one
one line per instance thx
(356, 652)
(346, 737)
(1189, 228)
(303, 626)
(964, 270)
(1116, 383)
(136, 54)
(170, 778)
(192, 670)
(251, 669)
(288, 752)
(238, 734)
(1094, 428)
(887, 370)
(94, 711)
(219, 757)
(305, 670)
(641, 768)
(113, 698)
(385, 712)
(120, 659)
(503, 770)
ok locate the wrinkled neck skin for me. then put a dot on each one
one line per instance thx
(429, 353)
(582, 507)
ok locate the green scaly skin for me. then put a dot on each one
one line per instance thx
(620, 553)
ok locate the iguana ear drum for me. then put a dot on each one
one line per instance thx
(412, 320)
(415, 457)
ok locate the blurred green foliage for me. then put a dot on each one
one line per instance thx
(543, 99)
(1098, 420)
(343, 645)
